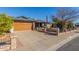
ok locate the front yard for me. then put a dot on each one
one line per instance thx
(36, 41)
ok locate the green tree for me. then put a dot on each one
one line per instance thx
(65, 18)
(61, 24)
(55, 21)
(5, 23)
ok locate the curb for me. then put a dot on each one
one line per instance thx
(55, 47)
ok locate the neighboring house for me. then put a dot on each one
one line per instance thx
(77, 25)
(22, 24)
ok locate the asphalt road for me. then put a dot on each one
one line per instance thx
(73, 45)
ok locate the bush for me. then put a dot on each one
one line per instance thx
(5, 23)
(70, 26)
(55, 22)
(62, 24)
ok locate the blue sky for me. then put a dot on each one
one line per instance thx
(34, 12)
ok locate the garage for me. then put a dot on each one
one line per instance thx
(22, 25)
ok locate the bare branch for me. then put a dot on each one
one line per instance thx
(67, 14)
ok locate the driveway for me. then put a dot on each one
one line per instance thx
(37, 41)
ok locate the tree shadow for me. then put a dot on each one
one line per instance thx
(48, 33)
(3, 43)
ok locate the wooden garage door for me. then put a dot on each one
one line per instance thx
(20, 26)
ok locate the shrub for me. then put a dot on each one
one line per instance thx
(5, 23)
(62, 24)
(70, 26)
(55, 22)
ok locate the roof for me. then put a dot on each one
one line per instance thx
(77, 24)
(28, 19)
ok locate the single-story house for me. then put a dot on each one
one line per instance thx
(77, 24)
(21, 24)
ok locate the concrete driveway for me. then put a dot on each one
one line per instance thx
(37, 41)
